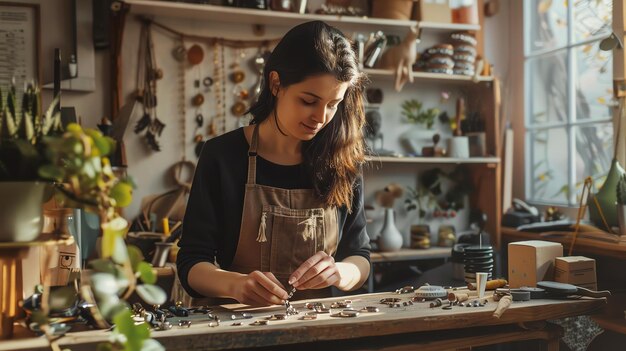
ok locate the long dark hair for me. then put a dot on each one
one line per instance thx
(335, 155)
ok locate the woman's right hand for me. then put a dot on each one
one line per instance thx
(260, 289)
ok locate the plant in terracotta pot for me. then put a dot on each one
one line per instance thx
(22, 129)
(621, 204)
(78, 161)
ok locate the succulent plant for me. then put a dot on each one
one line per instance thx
(22, 131)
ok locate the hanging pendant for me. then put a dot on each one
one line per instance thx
(238, 108)
(237, 76)
(197, 100)
(199, 120)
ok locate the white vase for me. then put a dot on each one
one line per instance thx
(390, 238)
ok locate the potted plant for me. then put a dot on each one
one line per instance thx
(22, 129)
(78, 161)
(413, 110)
(621, 204)
(416, 138)
(422, 201)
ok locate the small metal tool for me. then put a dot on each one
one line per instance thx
(241, 316)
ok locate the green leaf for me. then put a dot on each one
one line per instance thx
(151, 294)
(146, 273)
(122, 193)
(111, 230)
(135, 333)
(104, 284)
(135, 255)
(152, 345)
(120, 254)
(103, 266)
(104, 346)
(51, 172)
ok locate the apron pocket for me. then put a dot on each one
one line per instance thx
(295, 236)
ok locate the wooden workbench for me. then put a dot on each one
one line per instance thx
(431, 328)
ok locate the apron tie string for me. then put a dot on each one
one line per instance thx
(261, 238)
(309, 231)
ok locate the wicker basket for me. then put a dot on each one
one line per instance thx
(393, 9)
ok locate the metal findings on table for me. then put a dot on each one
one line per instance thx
(347, 313)
(438, 302)
(309, 316)
(259, 322)
(405, 290)
(277, 317)
(390, 300)
(184, 323)
(241, 316)
(370, 309)
(342, 304)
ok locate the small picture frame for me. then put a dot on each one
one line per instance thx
(20, 43)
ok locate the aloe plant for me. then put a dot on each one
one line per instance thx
(621, 190)
(22, 131)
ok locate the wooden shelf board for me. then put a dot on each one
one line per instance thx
(447, 27)
(252, 16)
(430, 77)
(431, 160)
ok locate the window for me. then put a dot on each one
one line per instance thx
(568, 91)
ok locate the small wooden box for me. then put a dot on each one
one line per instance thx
(434, 11)
(576, 270)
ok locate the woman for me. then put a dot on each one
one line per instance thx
(278, 205)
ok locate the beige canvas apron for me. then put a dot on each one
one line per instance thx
(282, 228)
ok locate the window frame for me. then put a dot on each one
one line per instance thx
(573, 123)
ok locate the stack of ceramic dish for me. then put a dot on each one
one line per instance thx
(464, 53)
(478, 259)
(437, 59)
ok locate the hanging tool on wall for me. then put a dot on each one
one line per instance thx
(147, 75)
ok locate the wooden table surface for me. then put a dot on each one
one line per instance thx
(389, 321)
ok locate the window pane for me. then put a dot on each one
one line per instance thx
(547, 88)
(549, 167)
(591, 17)
(594, 151)
(547, 24)
(595, 81)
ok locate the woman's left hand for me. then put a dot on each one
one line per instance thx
(319, 271)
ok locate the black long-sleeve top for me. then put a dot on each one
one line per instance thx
(215, 206)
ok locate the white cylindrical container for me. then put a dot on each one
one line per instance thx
(458, 147)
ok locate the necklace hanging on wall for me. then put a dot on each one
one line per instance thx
(237, 77)
(147, 75)
(217, 125)
(179, 54)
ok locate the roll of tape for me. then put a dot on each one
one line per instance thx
(520, 295)
(535, 293)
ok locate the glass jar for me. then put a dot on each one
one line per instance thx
(464, 11)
